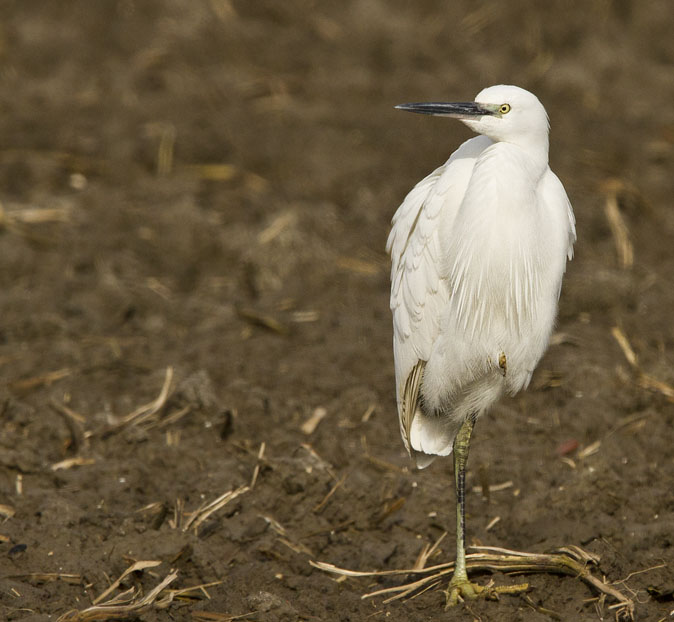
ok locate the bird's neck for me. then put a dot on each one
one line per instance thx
(536, 148)
(533, 143)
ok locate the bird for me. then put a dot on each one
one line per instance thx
(478, 251)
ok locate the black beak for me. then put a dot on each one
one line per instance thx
(458, 110)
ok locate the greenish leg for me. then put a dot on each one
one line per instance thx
(460, 588)
(461, 447)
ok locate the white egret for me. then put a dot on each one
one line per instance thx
(478, 250)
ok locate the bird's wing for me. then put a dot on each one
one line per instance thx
(572, 226)
(555, 195)
(419, 289)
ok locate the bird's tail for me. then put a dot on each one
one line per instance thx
(431, 436)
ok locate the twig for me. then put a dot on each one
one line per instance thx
(319, 506)
(570, 560)
(33, 216)
(262, 320)
(144, 412)
(590, 450)
(636, 572)
(277, 226)
(368, 413)
(174, 416)
(140, 565)
(213, 172)
(621, 234)
(388, 510)
(75, 422)
(186, 590)
(653, 384)
(643, 380)
(7, 511)
(256, 470)
(310, 425)
(548, 612)
(280, 531)
(625, 346)
(200, 515)
(27, 384)
(358, 266)
(114, 608)
(427, 552)
(69, 463)
(496, 487)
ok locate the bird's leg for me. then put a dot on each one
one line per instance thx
(460, 588)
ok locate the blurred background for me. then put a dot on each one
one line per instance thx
(197, 196)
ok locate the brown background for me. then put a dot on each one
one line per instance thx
(262, 281)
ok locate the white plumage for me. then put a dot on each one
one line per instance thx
(478, 251)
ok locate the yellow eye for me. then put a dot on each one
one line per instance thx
(504, 108)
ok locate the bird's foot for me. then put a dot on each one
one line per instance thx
(503, 363)
(461, 589)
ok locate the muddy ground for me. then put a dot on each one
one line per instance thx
(200, 192)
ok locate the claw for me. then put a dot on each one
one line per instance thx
(503, 363)
(460, 590)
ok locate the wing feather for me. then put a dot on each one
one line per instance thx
(419, 289)
(555, 197)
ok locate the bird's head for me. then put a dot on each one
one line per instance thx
(503, 113)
